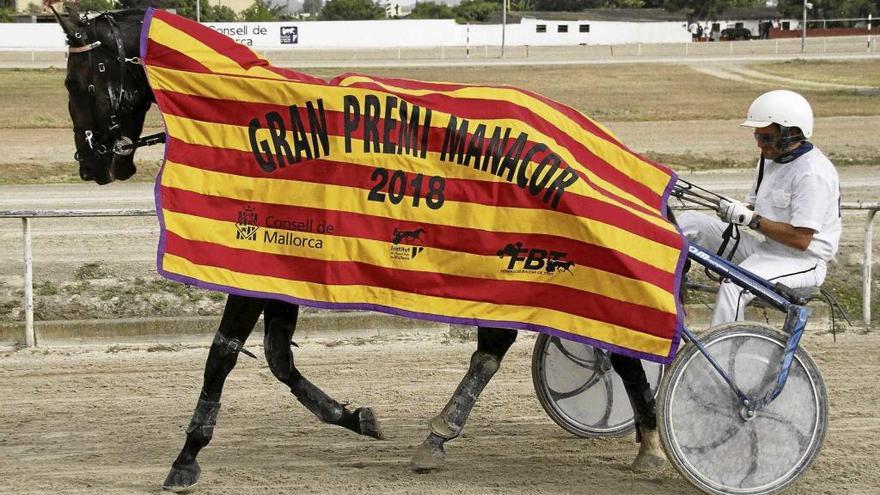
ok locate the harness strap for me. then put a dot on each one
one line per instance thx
(731, 232)
(81, 49)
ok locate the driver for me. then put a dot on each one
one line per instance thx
(794, 206)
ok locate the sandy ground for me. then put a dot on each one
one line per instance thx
(111, 419)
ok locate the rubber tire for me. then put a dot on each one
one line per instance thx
(681, 365)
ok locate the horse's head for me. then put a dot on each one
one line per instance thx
(108, 92)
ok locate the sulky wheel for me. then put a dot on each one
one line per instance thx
(580, 391)
(707, 433)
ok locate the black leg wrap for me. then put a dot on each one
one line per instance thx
(276, 345)
(319, 403)
(638, 390)
(449, 423)
(230, 346)
(204, 419)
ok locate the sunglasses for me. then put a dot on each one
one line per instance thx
(765, 139)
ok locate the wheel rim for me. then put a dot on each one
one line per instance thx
(580, 391)
(716, 445)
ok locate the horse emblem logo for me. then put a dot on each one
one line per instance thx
(406, 237)
(562, 266)
(246, 226)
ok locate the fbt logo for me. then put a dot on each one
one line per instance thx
(289, 35)
(535, 259)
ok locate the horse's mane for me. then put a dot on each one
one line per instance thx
(121, 15)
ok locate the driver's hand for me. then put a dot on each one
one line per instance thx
(732, 211)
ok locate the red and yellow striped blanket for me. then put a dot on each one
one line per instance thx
(441, 201)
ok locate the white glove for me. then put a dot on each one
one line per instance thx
(732, 211)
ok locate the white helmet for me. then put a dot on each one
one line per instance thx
(782, 107)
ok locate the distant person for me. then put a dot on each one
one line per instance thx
(764, 30)
(699, 32)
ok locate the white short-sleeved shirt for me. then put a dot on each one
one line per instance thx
(803, 193)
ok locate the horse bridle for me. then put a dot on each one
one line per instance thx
(109, 138)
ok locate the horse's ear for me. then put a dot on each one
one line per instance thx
(73, 16)
(66, 25)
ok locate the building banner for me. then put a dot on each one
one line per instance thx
(448, 202)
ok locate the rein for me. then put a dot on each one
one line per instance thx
(124, 148)
(687, 191)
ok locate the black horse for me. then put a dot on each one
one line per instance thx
(108, 100)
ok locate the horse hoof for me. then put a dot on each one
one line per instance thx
(429, 456)
(650, 456)
(182, 478)
(368, 424)
(648, 463)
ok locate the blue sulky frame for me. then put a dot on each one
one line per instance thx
(777, 295)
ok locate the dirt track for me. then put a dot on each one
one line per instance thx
(111, 420)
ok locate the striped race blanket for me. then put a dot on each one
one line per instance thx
(440, 201)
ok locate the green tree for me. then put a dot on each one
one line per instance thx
(263, 11)
(431, 10)
(312, 6)
(578, 5)
(185, 8)
(707, 9)
(352, 10)
(830, 9)
(626, 4)
(560, 5)
(475, 10)
(522, 5)
(83, 6)
(218, 13)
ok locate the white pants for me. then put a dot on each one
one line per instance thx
(769, 261)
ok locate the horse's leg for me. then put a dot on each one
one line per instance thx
(631, 371)
(239, 318)
(280, 324)
(492, 345)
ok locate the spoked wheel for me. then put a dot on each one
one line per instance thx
(579, 389)
(703, 426)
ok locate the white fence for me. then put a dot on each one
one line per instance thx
(27, 215)
(294, 35)
(473, 53)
